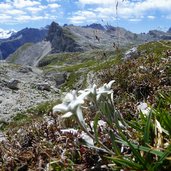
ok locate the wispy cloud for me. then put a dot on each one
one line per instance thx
(25, 3)
(19, 11)
(54, 5)
(83, 11)
(151, 17)
(129, 10)
(80, 17)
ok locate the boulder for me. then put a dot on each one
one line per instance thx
(60, 78)
(43, 86)
(25, 69)
(13, 84)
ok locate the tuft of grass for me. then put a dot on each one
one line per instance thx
(29, 115)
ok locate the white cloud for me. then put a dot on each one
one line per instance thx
(4, 18)
(97, 1)
(25, 3)
(54, 5)
(22, 11)
(51, 1)
(128, 9)
(83, 16)
(36, 9)
(134, 19)
(15, 12)
(5, 6)
(151, 17)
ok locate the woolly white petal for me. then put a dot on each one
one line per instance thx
(109, 85)
(60, 108)
(67, 115)
(80, 116)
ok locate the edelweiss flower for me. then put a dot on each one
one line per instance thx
(70, 102)
(105, 89)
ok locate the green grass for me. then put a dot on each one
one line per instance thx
(26, 117)
(155, 48)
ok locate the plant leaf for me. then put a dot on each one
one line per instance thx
(126, 163)
(96, 119)
(147, 129)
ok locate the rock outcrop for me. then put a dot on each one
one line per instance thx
(61, 39)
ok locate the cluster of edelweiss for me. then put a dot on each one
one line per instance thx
(72, 101)
(73, 105)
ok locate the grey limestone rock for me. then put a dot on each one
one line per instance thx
(13, 84)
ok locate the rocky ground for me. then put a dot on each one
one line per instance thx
(22, 87)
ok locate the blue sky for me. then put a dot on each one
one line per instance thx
(134, 15)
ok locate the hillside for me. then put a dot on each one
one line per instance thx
(122, 136)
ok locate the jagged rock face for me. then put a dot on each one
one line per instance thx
(95, 26)
(61, 39)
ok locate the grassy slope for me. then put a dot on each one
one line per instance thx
(78, 64)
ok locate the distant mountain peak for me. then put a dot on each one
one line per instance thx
(4, 34)
(95, 26)
(169, 31)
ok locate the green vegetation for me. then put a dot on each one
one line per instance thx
(28, 116)
(158, 48)
(78, 64)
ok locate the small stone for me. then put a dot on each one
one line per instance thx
(43, 86)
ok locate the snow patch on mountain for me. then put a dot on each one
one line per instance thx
(4, 34)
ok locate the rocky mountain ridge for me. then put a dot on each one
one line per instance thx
(70, 38)
(27, 35)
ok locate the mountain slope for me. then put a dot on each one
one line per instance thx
(30, 54)
(27, 35)
(71, 38)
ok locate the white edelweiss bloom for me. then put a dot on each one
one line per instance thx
(77, 100)
(71, 104)
(60, 108)
(105, 89)
(70, 97)
(92, 90)
(67, 115)
(69, 130)
(109, 85)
